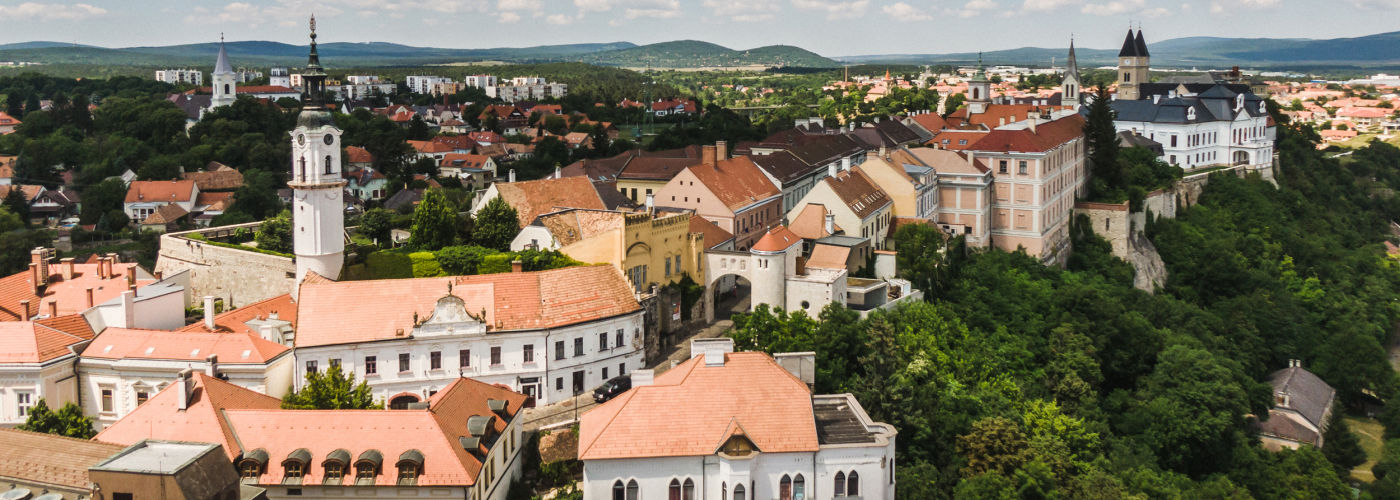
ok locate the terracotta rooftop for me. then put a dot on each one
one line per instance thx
(356, 154)
(738, 182)
(70, 294)
(777, 239)
(462, 160)
(511, 301)
(160, 191)
(215, 177)
(750, 394)
(810, 223)
(41, 340)
(714, 235)
(430, 147)
(1047, 136)
(858, 192)
(575, 225)
(201, 422)
(166, 214)
(63, 462)
(235, 320)
(534, 198)
(232, 348)
(946, 162)
(30, 191)
(829, 256)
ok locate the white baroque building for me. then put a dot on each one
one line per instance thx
(752, 430)
(547, 334)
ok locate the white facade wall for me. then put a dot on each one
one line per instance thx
(423, 84)
(179, 76)
(1218, 142)
(127, 378)
(23, 384)
(547, 378)
(760, 474)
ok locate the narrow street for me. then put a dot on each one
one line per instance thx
(567, 412)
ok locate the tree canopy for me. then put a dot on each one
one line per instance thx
(332, 389)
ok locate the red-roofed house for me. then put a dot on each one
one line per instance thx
(734, 193)
(548, 334)
(8, 123)
(358, 157)
(144, 198)
(856, 203)
(465, 442)
(750, 428)
(123, 367)
(37, 358)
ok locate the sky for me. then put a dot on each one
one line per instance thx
(828, 27)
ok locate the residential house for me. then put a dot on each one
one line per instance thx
(548, 334)
(168, 217)
(475, 171)
(68, 287)
(532, 199)
(764, 434)
(964, 192)
(854, 202)
(734, 193)
(8, 123)
(123, 367)
(215, 177)
(50, 206)
(649, 247)
(37, 362)
(669, 107)
(31, 193)
(795, 162)
(886, 133)
(1301, 409)
(431, 150)
(511, 119)
(911, 185)
(143, 198)
(358, 157)
(464, 442)
(365, 183)
(636, 173)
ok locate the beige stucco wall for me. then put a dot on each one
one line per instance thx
(240, 277)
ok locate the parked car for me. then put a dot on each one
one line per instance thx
(612, 388)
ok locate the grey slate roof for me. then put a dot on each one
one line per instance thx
(1307, 394)
(221, 66)
(1212, 103)
(1129, 46)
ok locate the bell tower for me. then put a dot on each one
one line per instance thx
(318, 210)
(979, 90)
(225, 87)
(1133, 64)
(1069, 83)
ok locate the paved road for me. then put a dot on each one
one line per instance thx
(566, 412)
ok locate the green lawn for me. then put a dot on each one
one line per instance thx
(1369, 432)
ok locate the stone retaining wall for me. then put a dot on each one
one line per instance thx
(240, 277)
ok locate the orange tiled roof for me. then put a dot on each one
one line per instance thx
(215, 177)
(996, 113)
(166, 214)
(749, 394)
(810, 223)
(714, 235)
(70, 294)
(30, 191)
(232, 348)
(462, 160)
(356, 154)
(158, 191)
(861, 195)
(201, 422)
(214, 200)
(8, 121)
(7, 166)
(1047, 136)
(430, 147)
(829, 256)
(235, 321)
(50, 459)
(738, 182)
(41, 340)
(777, 239)
(534, 198)
(511, 301)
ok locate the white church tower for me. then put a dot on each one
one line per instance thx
(225, 86)
(1070, 85)
(318, 210)
(979, 90)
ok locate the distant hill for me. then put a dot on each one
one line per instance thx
(38, 45)
(1379, 50)
(695, 53)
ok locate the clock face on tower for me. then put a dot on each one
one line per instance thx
(330, 139)
(301, 138)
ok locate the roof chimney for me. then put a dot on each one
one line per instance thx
(722, 150)
(516, 266)
(53, 308)
(212, 368)
(642, 377)
(35, 282)
(846, 163)
(1001, 122)
(66, 265)
(89, 296)
(651, 202)
(129, 309)
(707, 155)
(830, 223)
(209, 312)
(713, 349)
(183, 388)
(512, 175)
(802, 365)
(832, 169)
(130, 279)
(558, 173)
(24, 308)
(1033, 121)
(883, 153)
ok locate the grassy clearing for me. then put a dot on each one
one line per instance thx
(1369, 432)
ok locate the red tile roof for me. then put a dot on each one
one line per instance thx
(71, 294)
(160, 191)
(778, 239)
(462, 160)
(430, 147)
(215, 177)
(8, 121)
(235, 321)
(49, 459)
(30, 191)
(214, 200)
(41, 340)
(1047, 136)
(356, 154)
(996, 113)
(859, 193)
(166, 214)
(749, 394)
(737, 181)
(232, 348)
(714, 235)
(810, 223)
(511, 301)
(458, 142)
(534, 198)
(201, 422)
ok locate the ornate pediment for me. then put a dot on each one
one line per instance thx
(450, 316)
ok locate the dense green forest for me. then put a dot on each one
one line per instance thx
(1016, 380)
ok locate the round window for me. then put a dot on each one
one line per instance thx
(330, 139)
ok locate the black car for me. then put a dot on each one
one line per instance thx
(612, 388)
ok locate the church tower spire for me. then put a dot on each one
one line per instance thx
(1069, 82)
(225, 87)
(1133, 66)
(979, 90)
(318, 209)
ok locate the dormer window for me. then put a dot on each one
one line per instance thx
(334, 466)
(252, 465)
(410, 467)
(367, 467)
(1190, 113)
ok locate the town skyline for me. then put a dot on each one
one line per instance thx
(920, 26)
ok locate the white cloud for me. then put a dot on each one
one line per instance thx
(1370, 5)
(560, 19)
(904, 12)
(1258, 3)
(835, 9)
(744, 11)
(509, 17)
(1114, 7)
(1157, 12)
(593, 5)
(49, 12)
(1216, 8)
(1044, 5)
(974, 8)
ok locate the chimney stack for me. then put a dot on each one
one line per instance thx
(39, 261)
(66, 264)
(1033, 121)
(183, 387)
(830, 223)
(89, 296)
(130, 279)
(35, 282)
(516, 266)
(707, 155)
(884, 153)
(129, 309)
(53, 308)
(512, 175)
(722, 150)
(832, 169)
(642, 377)
(212, 368)
(24, 310)
(558, 172)
(846, 163)
(651, 202)
(209, 312)
(713, 349)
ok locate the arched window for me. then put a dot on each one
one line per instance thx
(739, 492)
(674, 491)
(618, 491)
(303, 169)
(328, 164)
(226, 88)
(853, 484)
(632, 490)
(785, 488)
(839, 488)
(688, 490)
(799, 488)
